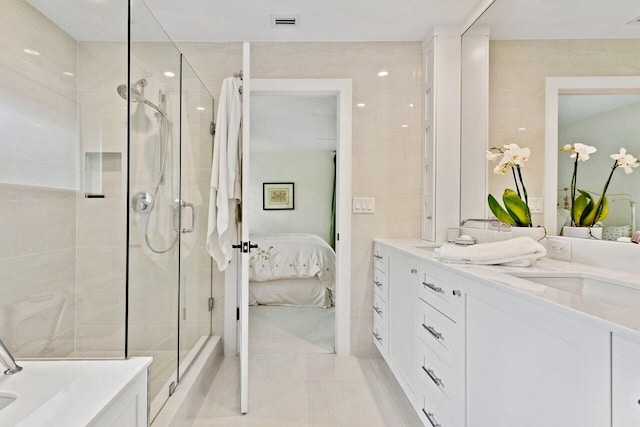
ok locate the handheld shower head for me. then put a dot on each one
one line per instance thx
(137, 95)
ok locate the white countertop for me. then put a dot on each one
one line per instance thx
(624, 319)
(65, 392)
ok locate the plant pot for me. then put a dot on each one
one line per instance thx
(582, 232)
(535, 233)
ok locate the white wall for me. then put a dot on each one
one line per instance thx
(312, 173)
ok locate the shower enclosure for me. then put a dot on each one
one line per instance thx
(105, 160)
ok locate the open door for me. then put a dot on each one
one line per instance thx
(243, 300)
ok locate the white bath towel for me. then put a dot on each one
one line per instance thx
(225, 193)
(520, 252)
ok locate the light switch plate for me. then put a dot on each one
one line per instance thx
(364, 205)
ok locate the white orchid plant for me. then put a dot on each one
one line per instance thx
(585, 212)
(516, 210)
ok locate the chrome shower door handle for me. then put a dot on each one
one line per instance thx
(193, 218)
(177, 212)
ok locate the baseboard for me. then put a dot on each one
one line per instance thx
(182, 407)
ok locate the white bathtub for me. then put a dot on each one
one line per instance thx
(76, 393)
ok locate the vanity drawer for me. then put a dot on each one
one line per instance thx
(380, 336)
(380, 284)
(443, 336)
(380, 313)
(444, 296)
(434, 374)
(380, 260)
(432, 413)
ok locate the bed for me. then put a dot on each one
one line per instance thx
(293, 269)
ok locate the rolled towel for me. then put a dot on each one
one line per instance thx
(519, 252)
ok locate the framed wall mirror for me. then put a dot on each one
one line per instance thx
(509, 55)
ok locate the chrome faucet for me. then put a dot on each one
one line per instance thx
(7, 360)
(494, 222)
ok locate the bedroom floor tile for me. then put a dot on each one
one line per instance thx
(307, 390)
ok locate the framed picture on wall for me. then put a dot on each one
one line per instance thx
(277, 196)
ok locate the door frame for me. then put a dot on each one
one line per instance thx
(342, 89)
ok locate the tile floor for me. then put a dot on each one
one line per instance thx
(307, 390)
(283, 330)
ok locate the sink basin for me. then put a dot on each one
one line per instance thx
(6, 399)
(589, 287)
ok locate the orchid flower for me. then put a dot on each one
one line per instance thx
(513, 157)
(582, 151)
(626, 161)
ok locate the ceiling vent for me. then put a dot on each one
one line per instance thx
(284, 21)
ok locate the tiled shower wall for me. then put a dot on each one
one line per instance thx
(38, 181)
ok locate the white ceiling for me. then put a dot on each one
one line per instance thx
(560, 19)
(293, 123)
(576, 108)
(250, 20)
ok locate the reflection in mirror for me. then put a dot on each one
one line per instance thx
(514, 47)
(606, 122)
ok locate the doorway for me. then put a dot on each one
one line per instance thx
(340, 90)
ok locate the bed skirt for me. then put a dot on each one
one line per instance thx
(290, 292)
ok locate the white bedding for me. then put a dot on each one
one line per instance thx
(290, 292)
(292, 256)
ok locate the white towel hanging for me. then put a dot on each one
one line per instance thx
(225, 193)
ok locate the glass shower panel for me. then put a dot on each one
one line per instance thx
(195, 262)
(154, 181)
(62, 181)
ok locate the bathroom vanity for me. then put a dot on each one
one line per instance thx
(557, 344)
(100, 393)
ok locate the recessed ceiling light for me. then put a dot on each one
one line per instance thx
(411, 105)
(383, 73)
(200, 108)
(405, 126)
(521, 129)
(68, 73)
(169, 74)
(361, 104)
(31, 52)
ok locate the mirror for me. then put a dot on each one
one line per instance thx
(508, 55)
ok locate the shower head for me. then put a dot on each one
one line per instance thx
(137, 95)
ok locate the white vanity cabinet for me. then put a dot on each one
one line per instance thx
(403, 290)
(471, 352)
(380, 299)
(529, 366)
(440, 324)
(625, 382)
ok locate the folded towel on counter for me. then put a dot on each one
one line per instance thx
(519, 252)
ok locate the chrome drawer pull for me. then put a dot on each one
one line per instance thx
(432, 420)
(433, 377)
(376, 256)
(378, 284)
(432, 331)
(377, 337)
(433, 287)
(377, 310)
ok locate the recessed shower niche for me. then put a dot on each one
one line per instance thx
(102, 175)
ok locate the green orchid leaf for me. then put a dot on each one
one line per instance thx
(605, 210)
(499, 211)
(585, 193)
(589, 218)
(579, 207)
(516, 207)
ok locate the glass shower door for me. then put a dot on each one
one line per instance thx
(196, 150)
(154, 189)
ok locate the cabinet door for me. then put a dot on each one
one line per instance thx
(626, 383)
(529, 366)
(403, 287)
